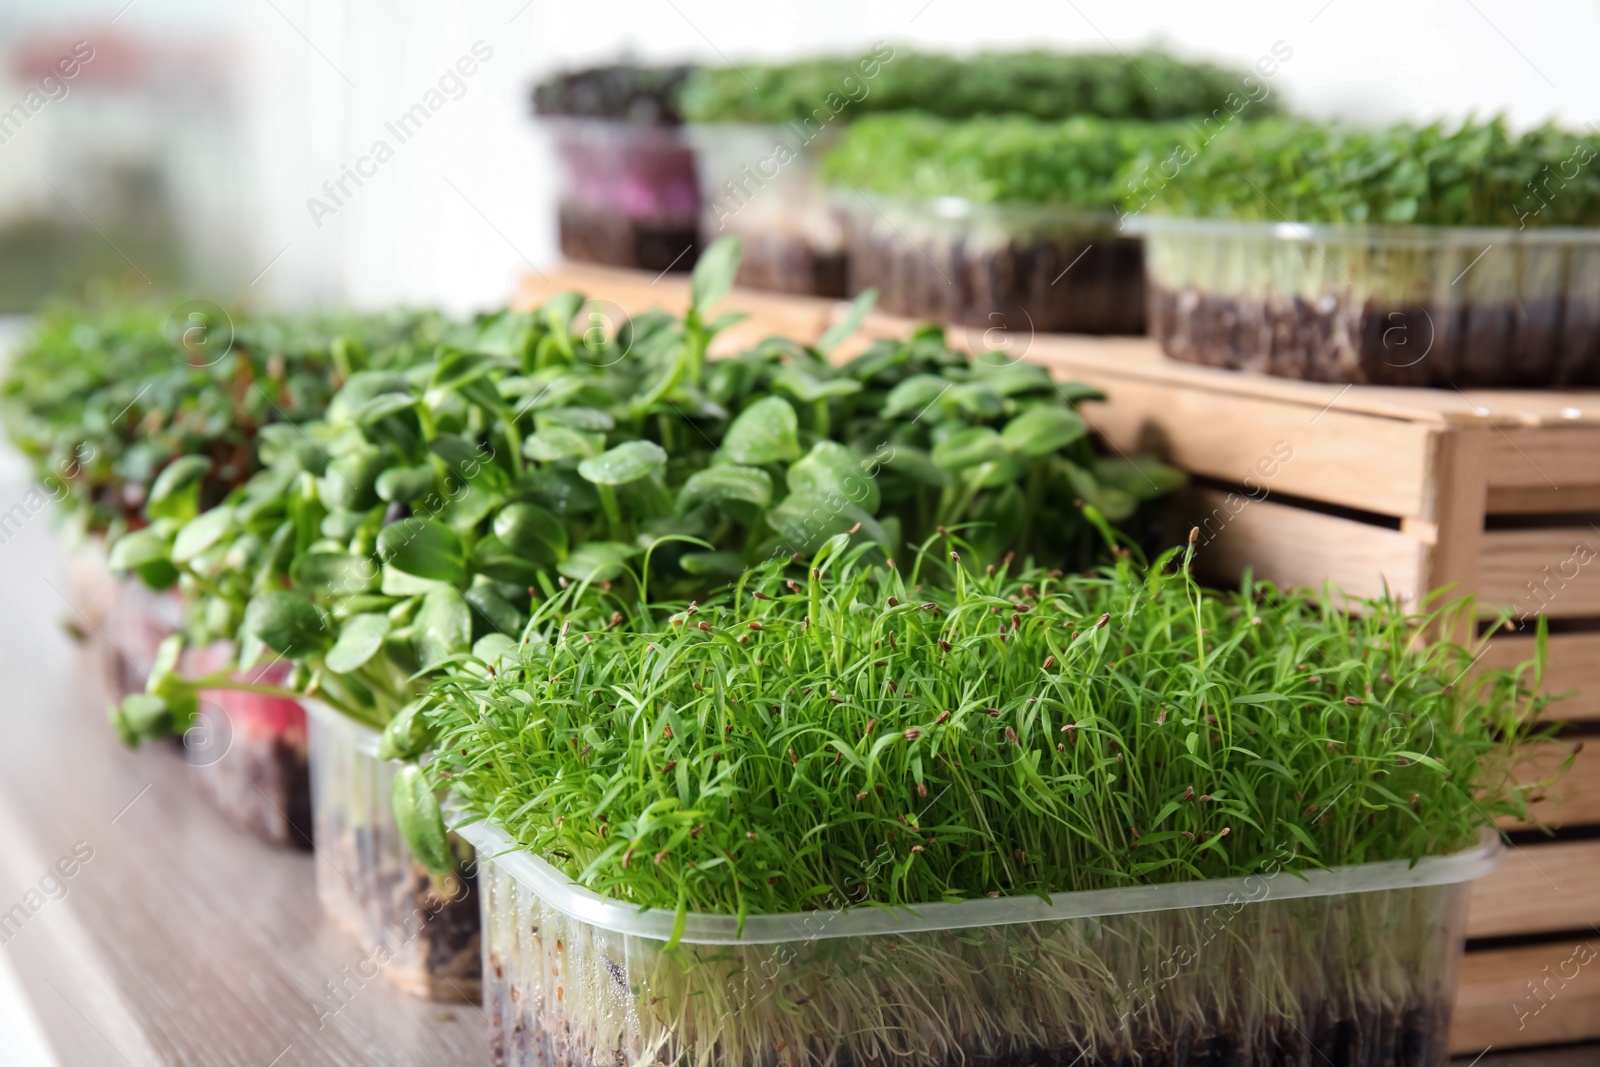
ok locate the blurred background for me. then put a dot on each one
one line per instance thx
(191, 146)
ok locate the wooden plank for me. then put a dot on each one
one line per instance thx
(1574, 799)
(1543, 500)
(1457, 491)
(1551, 569)
(1554, 458)
(1541, 888)
(1270, 447)
(1296, 547)
(1574, 668)
(1533, 995)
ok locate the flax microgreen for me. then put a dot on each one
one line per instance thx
(853, 731)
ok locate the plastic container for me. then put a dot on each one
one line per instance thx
(629, 197)
(137, 619)
(1390, 305)
(1014, 267)
(249, 751)
(422, 931)
(1355, 967)
(760, 184)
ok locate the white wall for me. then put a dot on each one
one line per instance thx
(407, 234)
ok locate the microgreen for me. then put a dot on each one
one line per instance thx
(1039, 84)
(1008, 159)
(438, 502)
(1474, 174)
(945, 732)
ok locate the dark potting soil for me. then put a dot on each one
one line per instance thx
(262, 784)
(1528, 343)
(785, 263)
(1413, 1037)
(607, 236)
(1052, 286)
(396, 893)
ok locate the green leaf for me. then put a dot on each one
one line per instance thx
(287, 623)
(348, 483)
(406, 735)
(179, 475)
(597, 561)
(416, 810)
(499, 613)
(978, 398)
(133, 550)
(404, 484)
(806, 520)
(359, 640)
(628, 462)
(765, 432)
(333, 574)
(382, 406)
(1010, 377)
(531, 532)
(555, 443)
(849, 323)
(578, 418)
(714, 273)
(833, 468)
(808, 389)
(492, 557)
(360, 388)
(1143, 477)
(728, 564)
(726, 484)
(443, 626)
(914, 395)
(968, 447)
(422, 548)
(1043, 429)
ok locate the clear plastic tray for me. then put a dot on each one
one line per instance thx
(249, 751)
(1393, 305)
(629, 195)
(1358, 963)
(137, 619)
(421, 931)
(1016, 267)
(760, 184)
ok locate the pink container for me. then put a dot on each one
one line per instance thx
(250, 751)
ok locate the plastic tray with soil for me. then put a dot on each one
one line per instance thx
(1011, 267)
(1389, 305)
(1351, 967)
(629, 195)
(760, 184)
(249, 751)
(423, 930)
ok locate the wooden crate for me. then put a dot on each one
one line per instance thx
(1491, 492)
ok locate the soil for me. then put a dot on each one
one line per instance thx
(1055, 286)
(433, 935)
(1552, 342)
(1416, 1037)
(607, 236)
(787, 263)
(263, 785)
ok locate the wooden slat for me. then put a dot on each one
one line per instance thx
(1554, 569)
(1268, 446)
(1543, 500)
(1452, 525)
(1555, 458)
(1574, 667)
(1296, 547)
(1574, 800)
(1495, 1005)
(1541, 888)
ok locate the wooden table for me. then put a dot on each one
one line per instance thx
(180, 940)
